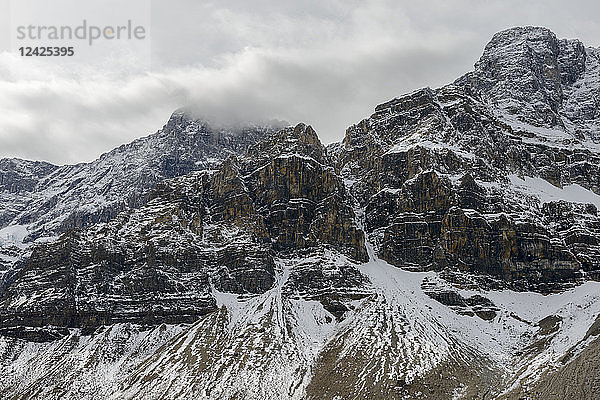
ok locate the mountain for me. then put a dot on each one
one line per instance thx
(56, 199)
(42, 201)
(448, 247)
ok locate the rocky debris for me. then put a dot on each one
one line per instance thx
(577, 379)
(549, 325)
(333, 281)
(473, 305)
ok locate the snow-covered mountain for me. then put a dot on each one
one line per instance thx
(50, 200)
(40, 201)
(447, 248)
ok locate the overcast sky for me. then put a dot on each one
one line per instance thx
(324, 62)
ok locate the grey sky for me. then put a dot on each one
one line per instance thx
(326, 63)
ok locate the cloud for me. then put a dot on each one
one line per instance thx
(327, 63)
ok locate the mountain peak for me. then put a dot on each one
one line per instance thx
(300, 139)
(529, 75)
(185, 117)
(520, 34)
(522, 47)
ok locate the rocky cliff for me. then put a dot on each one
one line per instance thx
(55, 199)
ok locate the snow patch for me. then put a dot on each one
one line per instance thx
(547, 192)
(14, 235)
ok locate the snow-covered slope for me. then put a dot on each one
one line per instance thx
(394, 343)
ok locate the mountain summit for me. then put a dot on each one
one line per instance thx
(447, 248)
(529, 75)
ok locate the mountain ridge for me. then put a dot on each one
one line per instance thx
(448, 247)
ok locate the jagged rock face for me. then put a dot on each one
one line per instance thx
(448, 184)
(219, 229)
(22, 176)
(41, 200)
(304, 202)
(18, 179)
(580, 228)
(157, 264)
(530, 74)
(78, 196)
(528, 60)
